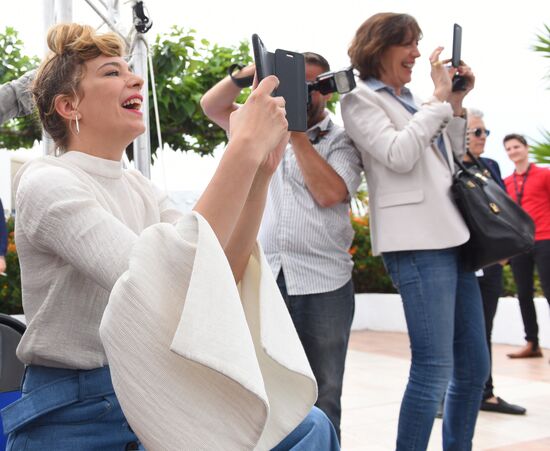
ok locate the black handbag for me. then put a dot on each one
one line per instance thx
(499, 227)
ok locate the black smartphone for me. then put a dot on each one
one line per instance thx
(290, 69)
(459, 82)
(457, 45)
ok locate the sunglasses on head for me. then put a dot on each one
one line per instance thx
(478, 131)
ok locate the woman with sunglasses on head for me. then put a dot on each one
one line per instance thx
(407, 149)
(82, 224)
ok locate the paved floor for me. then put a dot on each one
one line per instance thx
(376, 374)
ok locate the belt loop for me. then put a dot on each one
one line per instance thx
(23, 378)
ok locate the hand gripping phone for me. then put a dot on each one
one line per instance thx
(459, 82)
(289, 67)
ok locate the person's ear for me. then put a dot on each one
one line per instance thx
(66, 107)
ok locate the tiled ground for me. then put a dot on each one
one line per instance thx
(376, 374)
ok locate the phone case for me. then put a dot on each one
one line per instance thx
(457, 45)
(262, 58)
(289, 67)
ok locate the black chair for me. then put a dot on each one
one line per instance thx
(11, 369)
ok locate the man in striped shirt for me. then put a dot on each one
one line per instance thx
(306, 231)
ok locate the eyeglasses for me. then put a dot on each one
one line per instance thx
(478, 131)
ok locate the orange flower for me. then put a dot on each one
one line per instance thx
(353, 250)
(12, 248)
(360, 221)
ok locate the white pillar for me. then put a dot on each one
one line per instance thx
(142, 144)
(55, 11)
(63, 11)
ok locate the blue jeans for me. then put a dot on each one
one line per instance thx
(444, 316)
(323, 322)
(67, 410)
(314, 433)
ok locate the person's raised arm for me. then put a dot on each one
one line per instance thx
(219, 102)
(257, 129)
(322, 181)
(15, 97)
(244, 236)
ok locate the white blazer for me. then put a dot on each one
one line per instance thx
(408, 178)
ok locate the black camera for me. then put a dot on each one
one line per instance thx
(328, 82)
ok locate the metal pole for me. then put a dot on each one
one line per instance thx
(110, 23)
(63, 11)
(142, 144)
(55, 11)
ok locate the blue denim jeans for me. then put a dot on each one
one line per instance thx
(70, 410)
(444, 314)
(323, 322)
(314, 433)
(67, 410)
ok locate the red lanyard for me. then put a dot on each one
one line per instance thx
(519, 193)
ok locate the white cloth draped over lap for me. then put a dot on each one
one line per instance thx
(196, 364)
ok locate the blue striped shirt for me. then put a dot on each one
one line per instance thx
(308, 242)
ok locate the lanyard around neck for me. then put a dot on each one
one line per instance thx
(519, 193)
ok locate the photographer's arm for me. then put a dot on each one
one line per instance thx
(219, 102)
(322, 181)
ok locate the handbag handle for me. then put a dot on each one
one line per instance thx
(477, 162)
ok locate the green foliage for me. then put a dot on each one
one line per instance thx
(543, 45)
(331, 104)
(369, 274)
(541, 150)
(18, 132)
(185, 68)
(509, 285)
(10, 285)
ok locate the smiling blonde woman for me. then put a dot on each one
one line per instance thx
(112, 274)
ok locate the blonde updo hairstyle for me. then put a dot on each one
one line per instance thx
(60, 74)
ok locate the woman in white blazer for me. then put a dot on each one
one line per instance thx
(406, 149)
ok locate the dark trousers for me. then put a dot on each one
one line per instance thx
(523, 268)
(490, 285)
(323, 322)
